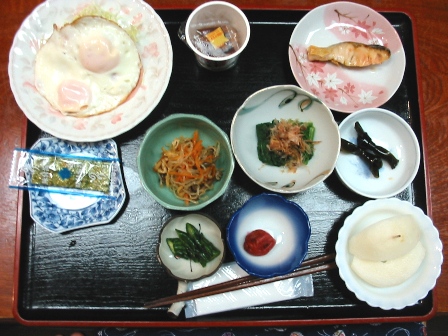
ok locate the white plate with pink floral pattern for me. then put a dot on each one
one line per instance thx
(341, 88)
(154, 47)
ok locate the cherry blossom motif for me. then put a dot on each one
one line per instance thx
(378, 31)
(317, 66)
(349, 88)
(137, 19)
(366, 97)
(332, 81)
(79, 124)
(151, 50)
(362, 29)
(315, 92)
(126, 10)
(331, 94)
(303, 57)
(374, 40)
(116, 118)
(313, 79)
(343, 100)
(344, 29)
(346, 89)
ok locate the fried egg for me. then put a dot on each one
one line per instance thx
(87, 67)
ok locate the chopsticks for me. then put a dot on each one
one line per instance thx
(309, 266)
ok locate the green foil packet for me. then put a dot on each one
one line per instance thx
(62, 173)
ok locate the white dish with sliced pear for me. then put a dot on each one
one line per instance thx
(409, 291)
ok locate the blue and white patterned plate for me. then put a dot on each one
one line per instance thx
(58, 212)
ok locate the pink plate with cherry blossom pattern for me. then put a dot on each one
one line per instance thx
(346, 89)
(153, 43)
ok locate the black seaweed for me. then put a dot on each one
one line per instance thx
(365, 142)
(372, 159)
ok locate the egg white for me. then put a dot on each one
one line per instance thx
(87, 67)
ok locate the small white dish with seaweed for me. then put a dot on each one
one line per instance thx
(393, 134)
(288, 103)
(60, 212)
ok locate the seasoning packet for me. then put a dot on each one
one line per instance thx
(61, 173)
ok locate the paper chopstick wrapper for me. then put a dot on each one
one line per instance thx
(253, 296)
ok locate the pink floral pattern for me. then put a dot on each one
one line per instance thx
(153, 44)
(341, 88)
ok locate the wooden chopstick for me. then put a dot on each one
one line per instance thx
(309, 266)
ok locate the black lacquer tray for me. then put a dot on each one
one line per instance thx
(102, 275)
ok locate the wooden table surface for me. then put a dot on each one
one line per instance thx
(430, 19)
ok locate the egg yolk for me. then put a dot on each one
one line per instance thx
(98, 55)
(73, 95)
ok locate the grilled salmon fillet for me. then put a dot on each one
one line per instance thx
(350, 54)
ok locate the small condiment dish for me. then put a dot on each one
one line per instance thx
(414, 288)
(390, 131)
(283, 220)
(161, 135)
(183, 269)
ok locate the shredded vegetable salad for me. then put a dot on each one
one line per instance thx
(188, 168)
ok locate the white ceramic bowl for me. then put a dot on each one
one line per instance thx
(285, 102)
(284, 220)
(412, 290)
(390, 131)
(185, 269)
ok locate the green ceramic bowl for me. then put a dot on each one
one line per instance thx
(161, 135)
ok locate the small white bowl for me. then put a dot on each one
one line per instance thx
(412, 290)
(284, 220)
(285, 102)
(390, 131)
(185, 269)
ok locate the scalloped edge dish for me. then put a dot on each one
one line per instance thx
(418, 285)
(154, 47)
